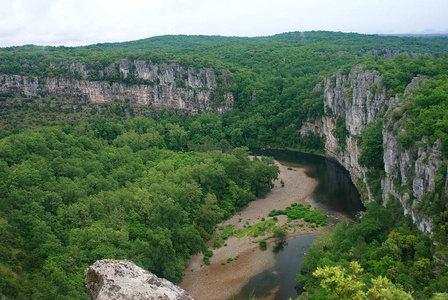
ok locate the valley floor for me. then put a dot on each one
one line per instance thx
(218, 281)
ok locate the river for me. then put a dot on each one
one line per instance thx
(335, 194)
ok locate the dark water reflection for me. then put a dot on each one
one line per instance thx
(335, 194)
(335, 191)
(279, 281)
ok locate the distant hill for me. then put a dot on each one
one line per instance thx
(435, 44)
(169, 42)
(112, 151)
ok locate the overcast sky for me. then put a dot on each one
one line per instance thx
(83, 22)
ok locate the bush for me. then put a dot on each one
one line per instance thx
(279, 232)
(372, 151)
(218, 243)
(298, 211)
(263, 244)
(208, 253)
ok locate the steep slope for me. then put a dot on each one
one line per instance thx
(140, 82)
(358, 99)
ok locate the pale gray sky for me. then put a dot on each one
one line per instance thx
(83, 22)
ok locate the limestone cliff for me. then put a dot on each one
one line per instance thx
(355, 100)
(159, 85)
(122, 279)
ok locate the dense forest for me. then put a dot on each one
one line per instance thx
(76, 194)
(125, 181)
(386, 245)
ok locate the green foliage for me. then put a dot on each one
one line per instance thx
(118, 186)
(208, 253)
(374, 178)
(345, 286)
(340, 132)
(258, 229)
(373, 89)
(298, 211)
(371, 156)
(349, 95)
(279, 232)
(426, 114)
(372, 146)
(109, 189)
(380, 246)
(272, 78)
(263, 244)
(218, 244)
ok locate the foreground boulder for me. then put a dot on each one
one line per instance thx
(122, 279)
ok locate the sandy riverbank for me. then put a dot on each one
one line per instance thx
(217, 281)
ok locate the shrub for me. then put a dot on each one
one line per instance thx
(208, 253)
(279, 232)
(263, 244)
(217, 243)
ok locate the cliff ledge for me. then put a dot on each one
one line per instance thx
(122, 279)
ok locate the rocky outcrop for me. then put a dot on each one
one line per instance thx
(164, 85)
(356, 99)
(122, 279)
(360, 98)
(392, 53)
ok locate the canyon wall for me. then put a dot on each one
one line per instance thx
(158, 85)
(357, 99)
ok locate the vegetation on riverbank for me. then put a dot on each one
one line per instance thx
(73, 195)
(77, 184)
(298, 215)
(384, 243)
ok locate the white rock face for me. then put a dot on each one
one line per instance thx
(121, 279)
(364, 104)
(360, 98)
(173, 86)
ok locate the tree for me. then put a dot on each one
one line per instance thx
(372, 146)
(339, 285)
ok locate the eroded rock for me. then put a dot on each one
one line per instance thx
(173, 86)
(122, 279)
(360, 98)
